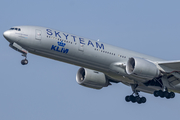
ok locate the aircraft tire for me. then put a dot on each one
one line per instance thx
(161, 93)
(156, 93)
(172, 94)
(137, 98)
(132, 98)
(127, 98)
(143, 100)
(24, 62)
(166, 94)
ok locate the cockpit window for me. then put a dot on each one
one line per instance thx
(18, 29)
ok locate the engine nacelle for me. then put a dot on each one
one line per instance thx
(142, 68)
(90, 78)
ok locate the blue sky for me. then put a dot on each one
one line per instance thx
(47, 90)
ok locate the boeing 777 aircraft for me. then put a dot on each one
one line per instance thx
(101, 64)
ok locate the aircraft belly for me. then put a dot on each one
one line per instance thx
(119, 78)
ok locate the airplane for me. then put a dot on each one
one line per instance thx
(100, 64)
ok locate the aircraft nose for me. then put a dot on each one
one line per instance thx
(6, 34)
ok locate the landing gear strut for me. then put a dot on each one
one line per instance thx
(136, 97)
(163, 94)
(24, 52)
(24, 61)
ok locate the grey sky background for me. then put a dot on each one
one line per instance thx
(46, 89)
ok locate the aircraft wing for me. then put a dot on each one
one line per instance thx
(174, 65)
(173, 68)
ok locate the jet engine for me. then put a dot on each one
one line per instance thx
(142, 68)
(90, 78)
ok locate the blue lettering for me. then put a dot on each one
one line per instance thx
(53, 47)
(81, 40)
(62, 49)
(57, 34)
(65, 51)
(58, 49)
(49, 31)
(90, 43)
(65, 35)
(74, 37)
(97, 45)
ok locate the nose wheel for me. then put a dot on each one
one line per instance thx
(24, 62)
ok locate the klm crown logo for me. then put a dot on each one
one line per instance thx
(61, 44)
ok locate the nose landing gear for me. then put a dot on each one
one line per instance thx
(24, 52)
(24, 61)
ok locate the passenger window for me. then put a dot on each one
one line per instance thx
(19, 29)
(15, 28)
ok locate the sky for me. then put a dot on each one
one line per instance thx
(46, 89)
